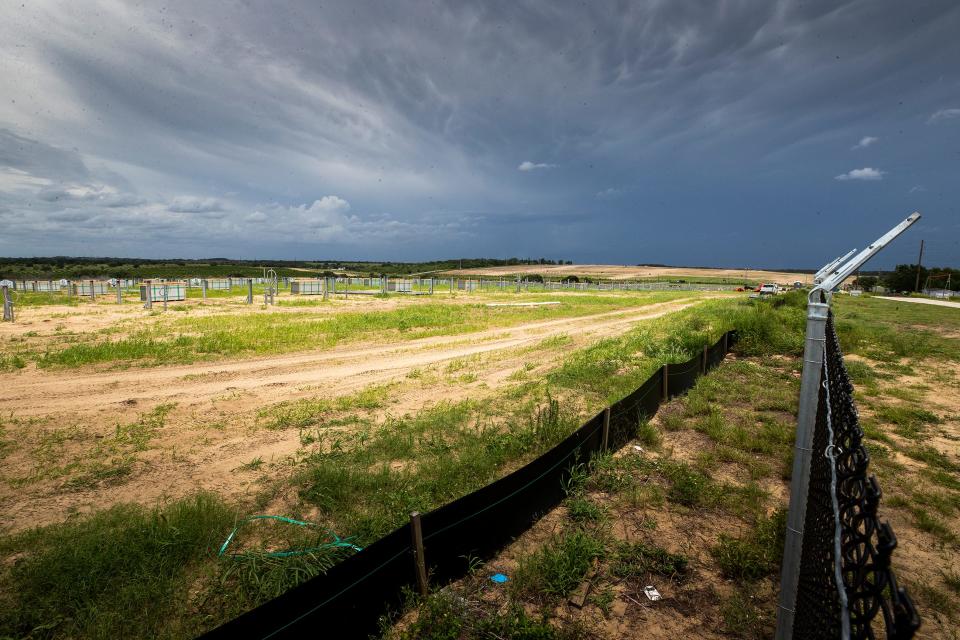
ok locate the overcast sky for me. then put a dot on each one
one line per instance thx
(724, 133)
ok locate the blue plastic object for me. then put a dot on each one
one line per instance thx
(499, 578)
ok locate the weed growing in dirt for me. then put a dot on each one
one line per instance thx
(756, 555)
(557, 567)
(447, 616)
(297, 414)
(743, 618)
(584, 510)
(637, 559)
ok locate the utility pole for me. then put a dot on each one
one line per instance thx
(916, 287)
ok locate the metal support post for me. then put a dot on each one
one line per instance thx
(148, 303)
(813, 349)
(703, 361)
(119, 291)
(416, 537)
(249, 290)
(7, 305)
(666, 379)
(203, 289)
(93, 292)
(166, 296)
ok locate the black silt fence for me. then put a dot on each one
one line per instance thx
(846, 587)
(349, 600)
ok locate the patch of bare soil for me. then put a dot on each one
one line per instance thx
(704, 602)
(690, 606)
(625, 272)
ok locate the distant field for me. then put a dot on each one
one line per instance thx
(626, 272)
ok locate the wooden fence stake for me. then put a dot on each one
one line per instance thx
(416, 535)
(606, 429)
(666, 378)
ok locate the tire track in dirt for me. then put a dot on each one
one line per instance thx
(187, 455)
(261, 380)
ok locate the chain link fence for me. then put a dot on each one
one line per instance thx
(846, 587)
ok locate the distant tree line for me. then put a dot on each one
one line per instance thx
(74, 268)
(904, 278)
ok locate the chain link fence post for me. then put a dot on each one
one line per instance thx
(817, 312)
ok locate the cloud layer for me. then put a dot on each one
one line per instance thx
(865, 142)
(372, 130)
(867, 173)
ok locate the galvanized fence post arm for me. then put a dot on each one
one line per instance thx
(813, 349)
(826, 269)
(836, 277)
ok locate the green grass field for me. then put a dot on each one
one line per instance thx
(701, 514)
(157, 572)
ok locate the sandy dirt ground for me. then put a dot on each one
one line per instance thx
(689, 609)
(625, 272)
(212, 430)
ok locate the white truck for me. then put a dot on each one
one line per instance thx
(765, 290)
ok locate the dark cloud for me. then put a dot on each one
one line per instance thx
(187, 122)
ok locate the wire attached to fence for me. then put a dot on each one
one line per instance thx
(829, 454)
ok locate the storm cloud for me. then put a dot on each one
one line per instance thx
(688, 133)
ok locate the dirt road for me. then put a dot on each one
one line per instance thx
(939, 303)
(61, 415)
(39, 392)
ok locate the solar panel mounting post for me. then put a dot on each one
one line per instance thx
(7, 305)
